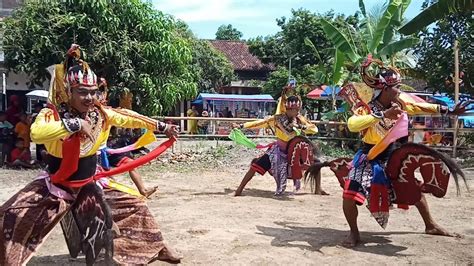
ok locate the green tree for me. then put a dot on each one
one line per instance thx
(434, 11)
(310, 63)
(212, 69)
(228, 32)
(133, 46)
(436, 55)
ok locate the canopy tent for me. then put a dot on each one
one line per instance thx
(324, 92)
(38, 93)
(35, 97)
(244, 106)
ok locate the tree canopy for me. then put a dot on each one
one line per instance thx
(436, 54)
(228, 32)
(133, 46)
(309, 64)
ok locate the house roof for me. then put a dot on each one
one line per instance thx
(237, 52)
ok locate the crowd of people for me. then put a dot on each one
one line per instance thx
(15, 136)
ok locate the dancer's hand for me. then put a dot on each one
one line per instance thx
(236, 125)
(393, 112)
(460, 108)
(172, 131)
(86, 130)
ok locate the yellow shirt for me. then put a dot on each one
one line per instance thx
(23, 131)
(280, 132)
(45, 130)
(373, 129)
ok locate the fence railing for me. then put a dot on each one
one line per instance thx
(215, 120)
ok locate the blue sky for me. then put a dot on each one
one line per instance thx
(255, 17)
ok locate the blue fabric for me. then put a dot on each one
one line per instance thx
(379, 174)
(378, 171)
(358, 159)
(104, 160)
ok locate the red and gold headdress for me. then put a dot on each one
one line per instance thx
(72, 73)
(387, 76)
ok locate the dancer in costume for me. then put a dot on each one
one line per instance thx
(287, 124)
(117, 141)
(72, 129)
(382, 171)
(108, 158)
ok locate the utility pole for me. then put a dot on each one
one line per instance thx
(456, 96)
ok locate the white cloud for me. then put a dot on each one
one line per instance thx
(209, 10)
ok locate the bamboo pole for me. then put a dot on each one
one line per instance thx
(456, 96)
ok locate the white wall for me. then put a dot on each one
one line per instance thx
(20, 81)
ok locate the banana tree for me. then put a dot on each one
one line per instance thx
(436, 11)
(379, 41)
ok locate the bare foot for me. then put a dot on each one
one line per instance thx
(170, 255)
(439, 231)
(352, 240)
(148, 192)
(321, 192)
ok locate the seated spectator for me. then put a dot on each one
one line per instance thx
(6, 137)
(118, 141)
(22, 129)
(20, 156)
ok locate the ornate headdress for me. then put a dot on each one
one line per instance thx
(293, 102)
(387, 76)
(72, 73)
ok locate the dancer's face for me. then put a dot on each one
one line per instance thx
(292, 113)
(83, 98)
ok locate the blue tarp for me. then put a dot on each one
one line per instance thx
(448, 101)
(233, 97)
(328, 91)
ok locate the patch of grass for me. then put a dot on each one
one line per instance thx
(332, 150)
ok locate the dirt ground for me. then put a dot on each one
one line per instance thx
(200, 217)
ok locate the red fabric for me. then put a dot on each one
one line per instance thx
(124, 160)
(127, 167)
(352, 195)
(70, 161)
(379, 199)
(16, 154)
(258, 169)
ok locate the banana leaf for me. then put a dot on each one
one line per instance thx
(398, 46)
(340, 41)
(337, 70)
(435, 12)
(384, 24)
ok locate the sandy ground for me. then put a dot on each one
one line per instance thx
(200, 217)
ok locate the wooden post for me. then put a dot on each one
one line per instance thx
(456, 96)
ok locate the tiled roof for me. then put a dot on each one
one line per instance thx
(239, 55)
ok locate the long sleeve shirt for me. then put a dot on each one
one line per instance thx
(374, 128)
(283, 133)
(46, 130)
